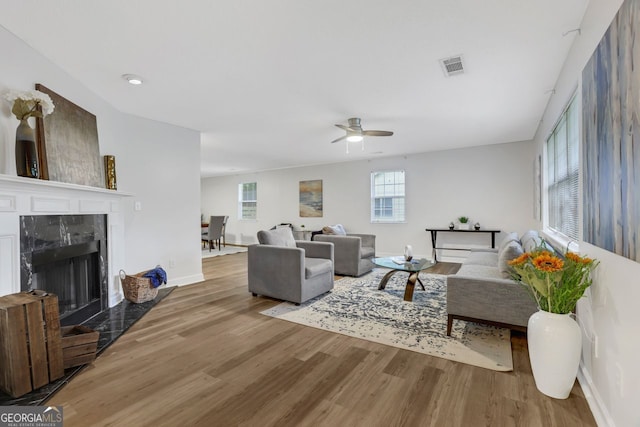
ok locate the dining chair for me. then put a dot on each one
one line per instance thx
(215, 232)
(224, 231)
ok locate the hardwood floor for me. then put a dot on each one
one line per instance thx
(205, 356)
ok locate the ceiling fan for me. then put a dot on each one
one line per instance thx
(355, 133)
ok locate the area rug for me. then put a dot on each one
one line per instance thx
(225, 250)
(355, 307)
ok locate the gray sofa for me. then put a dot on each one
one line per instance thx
(283, 268)
(483, 291)
(354, 253)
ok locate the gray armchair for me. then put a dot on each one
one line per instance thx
(283, 268)
(353, 253)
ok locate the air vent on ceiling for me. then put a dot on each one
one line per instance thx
(452, 66)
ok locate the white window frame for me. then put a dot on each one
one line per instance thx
(389, 191)
(562, 176)
(242, 201)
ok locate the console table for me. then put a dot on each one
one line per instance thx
(434, 237)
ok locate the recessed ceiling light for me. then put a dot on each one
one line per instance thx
(133, 79)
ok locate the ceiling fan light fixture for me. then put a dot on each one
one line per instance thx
(355, 133)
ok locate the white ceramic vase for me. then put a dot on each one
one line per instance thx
(26, 152)
(464, 226)
(408, 253)
(555, 345)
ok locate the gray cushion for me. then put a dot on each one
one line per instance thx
(531, 244)
(316, 266)
(510, 251)
(277, 237)
(531, 240)
(367, 252)
(531, 234)
(482, 271)
(509, 237)
(482, 258)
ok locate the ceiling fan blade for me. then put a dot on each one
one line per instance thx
(339, 139)
(377, 133)
(348, 129)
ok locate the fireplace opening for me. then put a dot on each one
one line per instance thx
(73, 274)
(66, 255)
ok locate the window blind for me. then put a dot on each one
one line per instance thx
(387, 196)
(563, 173)
(247, 200)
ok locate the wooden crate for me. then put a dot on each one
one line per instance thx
(30, 346)
(79, 345)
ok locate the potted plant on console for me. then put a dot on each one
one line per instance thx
(463, 223)
(554, 337)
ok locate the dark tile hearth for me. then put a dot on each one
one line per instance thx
(111, 323)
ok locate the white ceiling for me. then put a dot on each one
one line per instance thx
(265, 81)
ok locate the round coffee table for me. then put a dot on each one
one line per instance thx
(413, 267)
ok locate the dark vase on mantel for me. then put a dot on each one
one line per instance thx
(26, 154)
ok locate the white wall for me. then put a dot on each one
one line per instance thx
(155, 161)
(491, 184)
(610, 372)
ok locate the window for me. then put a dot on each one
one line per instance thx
(387, 196)
(247, 200)
(563, 173)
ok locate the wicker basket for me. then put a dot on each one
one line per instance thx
(136, 288)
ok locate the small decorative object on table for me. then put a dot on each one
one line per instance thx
(477, 226)
(463, 223)
(138, 288)
(408, 253)
(32, 103)
(554, 338)
(451, 226)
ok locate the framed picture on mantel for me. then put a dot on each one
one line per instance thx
(68, 148)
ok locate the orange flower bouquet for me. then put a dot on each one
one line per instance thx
(555, 283)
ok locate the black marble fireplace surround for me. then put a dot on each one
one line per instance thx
(66, 255)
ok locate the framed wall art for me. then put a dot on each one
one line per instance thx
(311, 198)
(68, 148)
(611, 132)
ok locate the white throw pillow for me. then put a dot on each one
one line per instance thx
(337, 229)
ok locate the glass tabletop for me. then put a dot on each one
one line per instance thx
(398, 263)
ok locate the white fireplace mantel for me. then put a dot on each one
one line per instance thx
(26, 196)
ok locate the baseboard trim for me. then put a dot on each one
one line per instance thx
(115, 299)
(186, 280)
(597, 406)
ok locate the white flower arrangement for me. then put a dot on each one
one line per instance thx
(25, 103)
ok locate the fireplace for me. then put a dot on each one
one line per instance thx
(66, 255)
